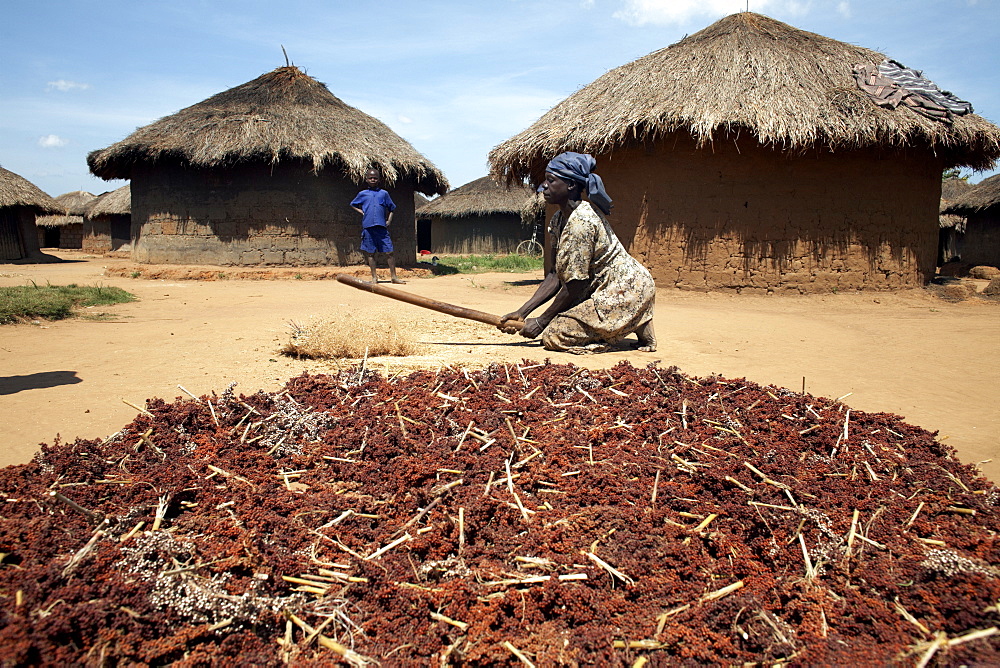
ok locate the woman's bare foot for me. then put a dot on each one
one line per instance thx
(647, 338)
(398, 281)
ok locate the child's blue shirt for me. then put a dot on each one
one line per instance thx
(376, 204)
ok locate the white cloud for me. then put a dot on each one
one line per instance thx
(64, 86)
(676, 12)
(405, 119)
(51, 141)
(844, 9)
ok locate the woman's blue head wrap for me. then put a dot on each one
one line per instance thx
(577, 167)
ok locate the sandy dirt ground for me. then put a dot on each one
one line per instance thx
(932, 361)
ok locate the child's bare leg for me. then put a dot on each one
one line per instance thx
(647, 338)
(371, 264)
(392, 269)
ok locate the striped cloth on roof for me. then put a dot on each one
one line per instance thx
(915, 82)
(891, 84)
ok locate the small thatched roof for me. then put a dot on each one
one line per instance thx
(983, 195)
(282, 116)
(16, 190)
(951, 189)
(72, 207)
(115, 203)
(747, 74)
(484, 197)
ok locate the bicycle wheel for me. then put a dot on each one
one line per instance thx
(529, 248)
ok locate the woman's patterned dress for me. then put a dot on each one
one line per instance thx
(619, 299)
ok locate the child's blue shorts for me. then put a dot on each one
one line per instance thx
(375, 239)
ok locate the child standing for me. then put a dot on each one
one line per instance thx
(376, 207)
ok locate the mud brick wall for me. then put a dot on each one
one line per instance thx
(738, 216)
(256, 215)
(71, 236)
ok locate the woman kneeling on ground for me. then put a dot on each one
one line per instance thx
(602, 294)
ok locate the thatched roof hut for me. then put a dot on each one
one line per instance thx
(951, 190)
(980, 205)
(747, 114)
(281, 153)
(747, 74)
(107, 222)
(484, 197)
(951, 226)
(20, 202)
(72, 206)
(282, 116)
(977, 198)
(481, 216)
(65, 229)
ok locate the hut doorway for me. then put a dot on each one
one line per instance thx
(50, 237)
(11, 247)
(424, 234)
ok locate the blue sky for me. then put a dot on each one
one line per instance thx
(453, 78)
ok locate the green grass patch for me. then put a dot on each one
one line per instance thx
(479, 264)
(55, 302)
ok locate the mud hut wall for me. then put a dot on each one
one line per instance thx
(19, 234)
(11, 235)
(97, 234)
(981, 242)
(466, 235)
(739, 216)
(255, 215)
(105, 233)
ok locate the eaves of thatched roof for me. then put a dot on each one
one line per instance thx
(72, 206)
(115, 203)
(983, 195)
(282, 116)
(746, 74)
(15, 190)
(481, 197)
(57, 220)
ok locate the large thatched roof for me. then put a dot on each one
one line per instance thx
(745, 74)
(16, 190)
(72, 206)
(115, 203)
(983, 195)
(484, 197)
(284, 115)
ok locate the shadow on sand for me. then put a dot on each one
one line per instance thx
(35, 381)
(41, 258)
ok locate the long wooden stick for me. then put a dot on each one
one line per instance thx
(423, 302)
